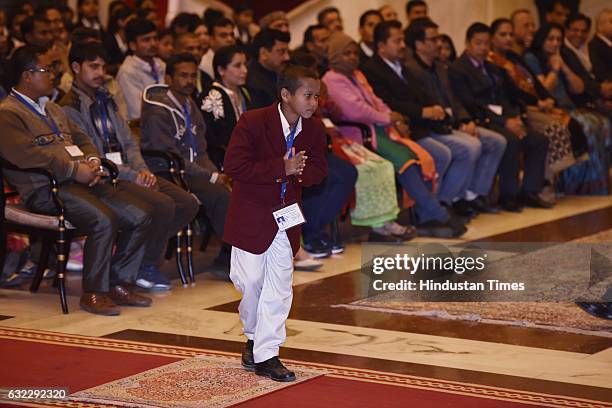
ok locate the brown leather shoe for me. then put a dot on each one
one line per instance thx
(124, 296)
(100, 304)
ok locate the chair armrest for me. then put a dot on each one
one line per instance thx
(366, 132)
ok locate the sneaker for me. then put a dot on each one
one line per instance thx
(150, 277)
(318, 249)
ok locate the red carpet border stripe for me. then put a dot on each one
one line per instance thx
(474, 390)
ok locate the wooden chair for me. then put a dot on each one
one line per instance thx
(50, 228)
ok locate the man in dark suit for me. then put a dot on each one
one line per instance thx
(269, 170)
(367, 22)
(600, 47)
(271, 56)
(482, 90)
(454, 154)
(575, 53)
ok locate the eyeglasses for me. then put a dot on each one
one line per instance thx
(41, 70)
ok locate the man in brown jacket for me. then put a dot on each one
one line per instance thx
(37, 133)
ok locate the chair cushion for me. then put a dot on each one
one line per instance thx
(19, 214)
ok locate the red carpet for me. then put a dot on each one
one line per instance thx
(43, 359)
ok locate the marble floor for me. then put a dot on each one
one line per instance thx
(205, 316)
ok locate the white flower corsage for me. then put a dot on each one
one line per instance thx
(214, 103)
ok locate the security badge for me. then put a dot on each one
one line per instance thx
(289, 216)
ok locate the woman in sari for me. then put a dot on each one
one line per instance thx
(544, 59)
(413, 166)
(565, 135)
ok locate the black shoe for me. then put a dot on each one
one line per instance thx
(534, 200)
(318, 249)
(464, 209)
(376, 237)
(275, 370)
(435, 229)
(600, 310)
(510, 205)
(481, 205)
(458, 226)
(247, 356)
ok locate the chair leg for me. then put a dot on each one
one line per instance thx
(179, 257)
(189, 242)
(43, 262)
(170, 248)
(3, 249)
(63, 251)
(206, 234)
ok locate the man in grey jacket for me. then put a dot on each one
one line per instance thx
(91, 106)
(37, 133)
(172, 121)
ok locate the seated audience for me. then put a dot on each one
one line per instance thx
(272, 56)
(172, 121)
(388, 13)
(165, 49)
(350, 90)
(330, 18)
(36, 30)
(600, 47)
(482, 90)
(455, 154)
(92, 107)
(367, 22)
(115, 40)
(41, 135)
(245, 24)
(416, 9)
(557, 12)
(545, 61)
(88, 15)
(447, 53)
(421, 36)
(566, 138)
(142, 68)
(226, 100)
(524, 26)
(276, 20)
(316, 41)
(190, 43)
(221, 32)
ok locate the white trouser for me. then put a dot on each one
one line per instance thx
(265, 283)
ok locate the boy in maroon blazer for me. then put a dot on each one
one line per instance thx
(273, 152)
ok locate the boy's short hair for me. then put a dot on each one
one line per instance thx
(137, 27)
(291, 78)
(87, 51)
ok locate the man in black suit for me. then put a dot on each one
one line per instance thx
(272, 56)
(600, 47)
(367, 22)
(455, 155)
(481, 87)
(575, 53)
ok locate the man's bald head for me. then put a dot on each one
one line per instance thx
(188, 43)
(604, 23)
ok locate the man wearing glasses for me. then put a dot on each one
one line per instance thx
(37, 133)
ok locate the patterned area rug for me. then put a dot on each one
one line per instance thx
(565, 317)
(202, 381)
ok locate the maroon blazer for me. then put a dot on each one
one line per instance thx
(254, 160)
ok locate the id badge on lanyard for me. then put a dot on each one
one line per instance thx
(288, 216)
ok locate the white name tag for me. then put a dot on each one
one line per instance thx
(328, 123)
(496, 109)
(288, 217)
(74, 151)
(115, 157)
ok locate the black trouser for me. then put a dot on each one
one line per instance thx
(215, 199)
(173, 208)
(535, 148)
(108, 216)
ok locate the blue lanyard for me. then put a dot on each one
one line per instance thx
(190, 137)
(48, 120)
(289, 141)
(154, 73)
(104, 119)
